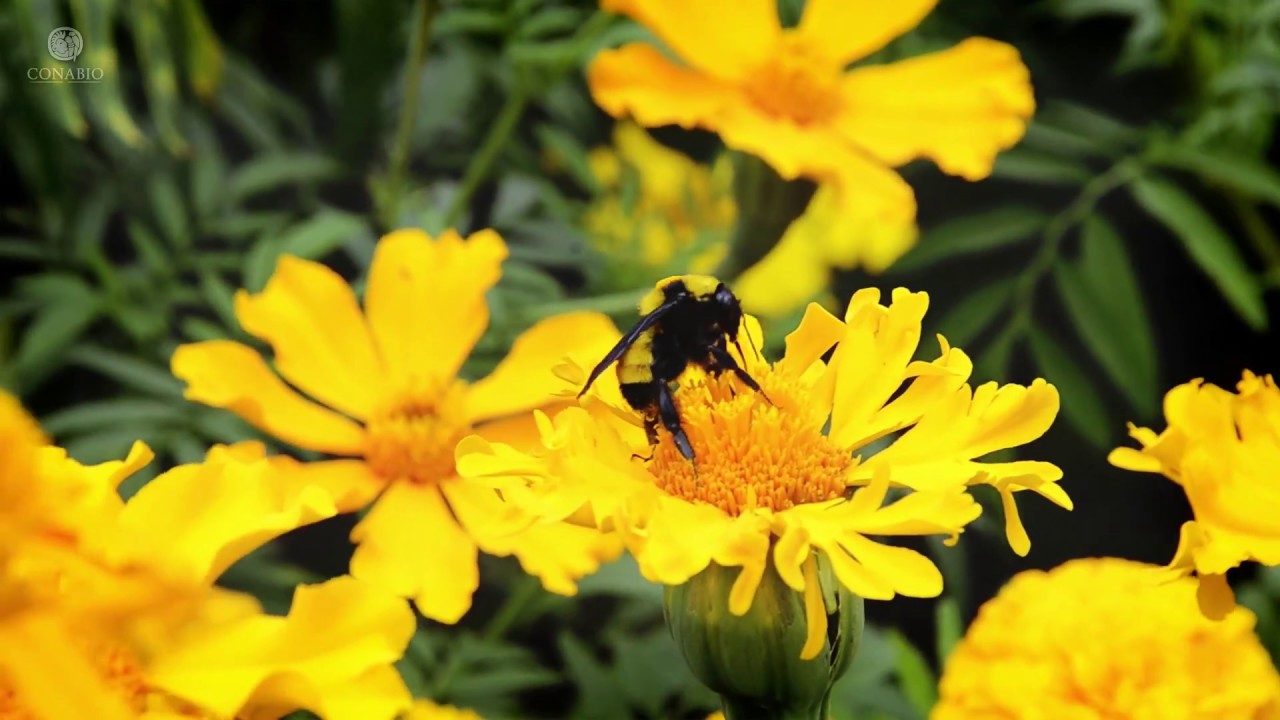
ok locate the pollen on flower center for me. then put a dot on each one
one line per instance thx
(796, 84)
(750, 453)
(414, 438)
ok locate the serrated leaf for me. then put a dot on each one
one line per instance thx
(965, 320)
(127, 370)
(1223, 167)
(110, 414)
(972, 234)
(917, 680)
(270, 172)
(1209, 246)
(1082, 406)
(1106, 307)
(320, 235)
(45, 340)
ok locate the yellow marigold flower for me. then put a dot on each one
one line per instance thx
(427, 710)
(771, 483)
(204, 653)
(1099, 638)
(387, 399)
(683, 213)
(679, 215)
(1223, 448)
(785, 96)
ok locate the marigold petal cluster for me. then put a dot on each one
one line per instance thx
(784, 94)
(1106, 637)
(383, 393)
(1223, 448)
(790, 471)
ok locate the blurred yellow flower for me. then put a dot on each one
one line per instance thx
(388, 399)
(785, 96)
(659, 212)
(1099, 638)
(772, 481)
(109, 610)
(682, 212)
(1223, 448)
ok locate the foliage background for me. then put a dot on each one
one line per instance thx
(1127, 245)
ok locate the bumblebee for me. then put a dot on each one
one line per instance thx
(685, 319)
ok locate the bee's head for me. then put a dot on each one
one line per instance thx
(728, 311)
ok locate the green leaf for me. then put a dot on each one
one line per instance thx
(1208, 245)
(918, 682)
(90, 223)
(994, 360)
(46, 339)
(208, 176)
(270, 172)
(22, 249)
(127, 370)
(950, 627)
(600, 693)
(1246, 174)
(260, 263)
(110, 414)
(112, 444)
(1026, 165)
(321, 234)
(972, 234)
(571, 152)
(159, 72)
(151, 252)
(169, 211)
(621, 578)
(204, 59)
(966, 319)
(1081, 404)
(1105, 304)
(219, 296)
(473, 688)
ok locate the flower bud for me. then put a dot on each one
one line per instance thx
(753, 661)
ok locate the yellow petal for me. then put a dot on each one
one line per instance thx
(351, 484)
(333, 636)
(426, 301)
(792, 274)
(48, 678)
(1215, 597)
(524, 380)
(232, 376)
(815, 612)
(846, 30)
(638, 80)
(790, 553)
(745, 545)
(817, 333)
(196, 520)
(958, 107)
(1013, 528)
(410, 545)
(726, 38)
(1135, 460)
(848, 232)
(310, 316)
(909, 572)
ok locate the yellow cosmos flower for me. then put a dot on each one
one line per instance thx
(785, 96)
(388, 400)
(1223, 448)
(1097, 638)
(773, 478)
(659, 209)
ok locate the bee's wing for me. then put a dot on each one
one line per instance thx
(616, 353)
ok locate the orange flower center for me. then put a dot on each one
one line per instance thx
(750, 453)
(796, 84)
(414, 438)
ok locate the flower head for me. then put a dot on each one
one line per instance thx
(790, 472)
(784, 94)
(1223, 448)
(389, 402)
(1104, 638)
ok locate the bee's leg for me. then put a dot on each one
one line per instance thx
(671, 420)
(651, 433)
(726, 361)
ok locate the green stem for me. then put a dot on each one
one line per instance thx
(487, 154)
(1055, 232)
(526, 591)
(399, 160)
(767, 205)
(746, 711)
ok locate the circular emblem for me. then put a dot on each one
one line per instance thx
(65, 44)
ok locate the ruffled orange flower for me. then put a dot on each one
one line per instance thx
(785, 95)
(1096, 638)
(389, 402)
(795, 476)
(1223, 448)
